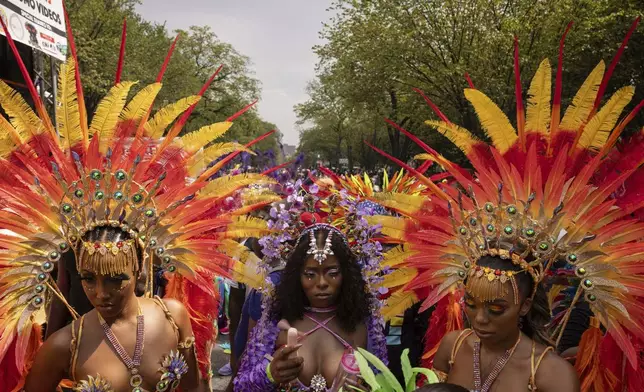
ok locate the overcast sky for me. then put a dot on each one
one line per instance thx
(276, 34)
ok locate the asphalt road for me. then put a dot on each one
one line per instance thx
(219, 359)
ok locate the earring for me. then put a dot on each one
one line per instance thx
(521, 322)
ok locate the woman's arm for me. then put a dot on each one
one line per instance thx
(444, 353)
(51, 363)
(190, 381)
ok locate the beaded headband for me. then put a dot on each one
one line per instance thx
(320, 254)
(107, 258)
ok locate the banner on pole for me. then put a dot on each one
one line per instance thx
(37, 23)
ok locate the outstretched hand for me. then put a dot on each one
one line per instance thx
(285, 369)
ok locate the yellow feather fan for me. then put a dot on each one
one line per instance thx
(200, 138)
(495, 123)
(399, 277)
(166, 115)
(23, 119)
(398, 303)
(403, 203)
(583, 102)
(67, 115)
(598, 129)
(139, 106)
(9, 137)
(538, 111)
(461, 137)
(396, 256)
(108, 111)
(224, 186)
(247, 226)
(390, 226)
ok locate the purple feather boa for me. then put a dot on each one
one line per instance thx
(252, 377)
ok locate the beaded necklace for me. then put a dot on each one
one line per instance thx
(498, 367)
(132, 363)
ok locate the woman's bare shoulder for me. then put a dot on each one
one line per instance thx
(566, 380)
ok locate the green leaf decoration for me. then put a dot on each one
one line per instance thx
(391, 379)
(366, 372)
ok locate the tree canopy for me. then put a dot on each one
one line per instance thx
(97, 26)
(377, 51)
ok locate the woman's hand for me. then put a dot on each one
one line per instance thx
(283, 368)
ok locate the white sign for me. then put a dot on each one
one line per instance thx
(37, 23)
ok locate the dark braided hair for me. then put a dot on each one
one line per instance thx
(353, 301)
(539, 315)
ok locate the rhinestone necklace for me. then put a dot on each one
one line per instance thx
(132, 363)
(500, 364)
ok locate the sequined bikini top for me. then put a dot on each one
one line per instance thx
(173, 365)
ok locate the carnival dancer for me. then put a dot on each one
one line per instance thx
(555, 191)
(121, 200)
(326, 292)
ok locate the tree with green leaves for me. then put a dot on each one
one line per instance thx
(378, 51)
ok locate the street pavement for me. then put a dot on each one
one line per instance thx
(219, 359)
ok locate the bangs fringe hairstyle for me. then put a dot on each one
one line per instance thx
(535, 321)
(353, 301)
(108, 263)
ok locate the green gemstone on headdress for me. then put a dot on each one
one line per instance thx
(41, 277)
(160, 250)
(118, 195)
(473, 222)
(79, 193)
(588, 283)
(137, 198)
(166, 259)
(47, 266)
(40, 288)
(95, 175)
(120, 175)
(53, 255)
(63, 246)
(37, 300)
(512, 210)
(461, 274)
(581, 271)
(481, 247)
(172, 268)
(489, 207)
(592, 297)
(462, 231)
(508, 230)
(490, 228)
(530, 232)
(66, 208)
(544, 246)
(572, 257)
(149, 213)
(467, 264)
(99, 195)
(153, 242)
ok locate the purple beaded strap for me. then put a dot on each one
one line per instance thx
(130, 362)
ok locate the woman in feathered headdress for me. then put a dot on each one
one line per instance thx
(555, 197)
(122, 200)
(325, 292)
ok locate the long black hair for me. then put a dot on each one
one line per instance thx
(354, 299)
(535, 321)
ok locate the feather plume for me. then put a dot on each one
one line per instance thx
(107, 114)
(577, 113)
(596, 132)
(538, 110)
(461, 137)
(396, 256)
(246, 226)
(212, 153)
(67, 115)
(398, 303)
(119, 64)
(224, 186)
(399, 277)
(141, 103)
(9, 137)
(23, 119)
(495, 123)
(390, 226)
(200, 138)
(165, 116)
